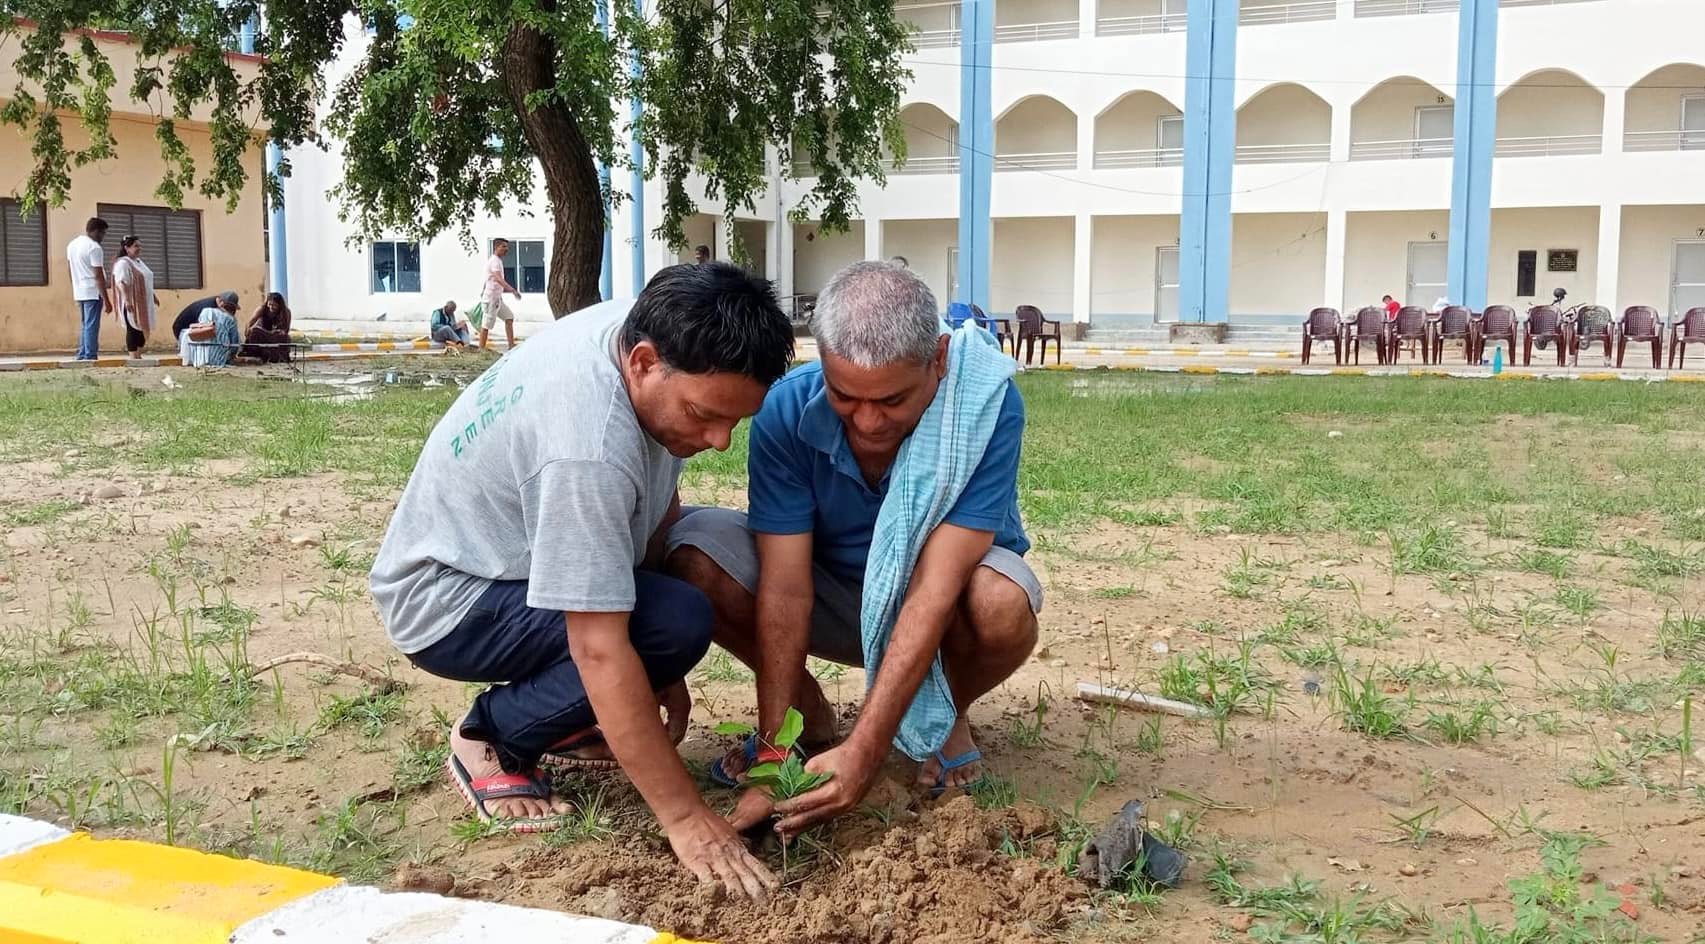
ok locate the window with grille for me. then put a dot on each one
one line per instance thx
(396, 266)
(171, 241)
(23, 245)
(524, 267)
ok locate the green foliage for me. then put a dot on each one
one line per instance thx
(448, 111)
(1554, 906)
(787, 778)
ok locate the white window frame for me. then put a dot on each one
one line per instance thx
(515, 265)
(1690, 139)
(1675, 282)
(372, 261)
(1159, 285)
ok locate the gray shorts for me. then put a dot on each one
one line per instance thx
(835, 635)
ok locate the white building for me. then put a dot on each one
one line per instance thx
(1342, 184)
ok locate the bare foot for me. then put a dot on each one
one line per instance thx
(481, 762)
(958, 742)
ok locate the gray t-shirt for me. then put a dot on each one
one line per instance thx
(540, 472)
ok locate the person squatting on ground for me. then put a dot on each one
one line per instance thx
(449, 329)
(548, 575)
(209, 337)
(787, 578)
(491, 295)
(267, 337)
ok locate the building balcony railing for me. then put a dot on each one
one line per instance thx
(1663, 141)
(1283, 153)
(1400, 150)
(1551, 146)
(945, 164)
(1040, 160)
(1303, 11)
(1142, 157)
(1539, 3)
(1138, 25)
(1034, 32)
(935, 38)
(1404, 7)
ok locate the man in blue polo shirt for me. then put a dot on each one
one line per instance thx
(785, 580)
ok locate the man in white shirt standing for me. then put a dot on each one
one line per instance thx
(492, 295)
(89, 286)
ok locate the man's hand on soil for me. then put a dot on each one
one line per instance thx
(677, 705)
(710, 849)
(851, 771)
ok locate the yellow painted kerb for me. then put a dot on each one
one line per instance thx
(667, 938)
(116, 891)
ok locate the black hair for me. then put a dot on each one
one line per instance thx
(499, 241)
(95, 225)
(129, 241)
(712, 318)
(702, 248)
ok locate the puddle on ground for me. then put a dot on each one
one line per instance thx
(356, 386)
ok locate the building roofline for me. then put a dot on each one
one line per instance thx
(120, 36)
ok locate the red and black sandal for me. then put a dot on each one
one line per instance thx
(476, 791)
(561, 754)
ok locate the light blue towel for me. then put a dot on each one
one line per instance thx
(929, 473)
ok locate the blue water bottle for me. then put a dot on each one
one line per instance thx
(1497, 361)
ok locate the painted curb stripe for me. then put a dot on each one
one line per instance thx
(118, 891)
(350, 914)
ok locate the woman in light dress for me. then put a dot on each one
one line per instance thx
(136, 302)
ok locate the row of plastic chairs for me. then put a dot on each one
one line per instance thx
(1543, 325)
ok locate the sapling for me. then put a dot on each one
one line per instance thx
(783, 779)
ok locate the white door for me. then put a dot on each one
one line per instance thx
(1687, 277)
(1169, 141)
(1429, 273)
(1166, 283)
(1693, 123)
(1435, 126)
(952, 276)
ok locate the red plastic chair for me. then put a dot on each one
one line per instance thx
(1368, 325)
(1592, 323)
(1497, 323)
(1641, 324)
(1033, 327)
(1690, 329)
(1411, 325)
(1323, 324)
(1452, 324)
(1544, 323)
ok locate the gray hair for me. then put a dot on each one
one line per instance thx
(877, 313)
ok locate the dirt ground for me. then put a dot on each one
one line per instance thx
(1572, 742)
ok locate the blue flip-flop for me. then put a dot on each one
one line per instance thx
(948, 766)
(720, 776)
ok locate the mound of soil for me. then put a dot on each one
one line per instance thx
(938, 879)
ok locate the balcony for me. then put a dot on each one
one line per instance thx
(923, 165)
(1268, 12)
(934, 25)
(1366, 8)
(1410, 149)
(1141, 129)
(1557, 145)
(1036, 133)
(1665, 111)
(1663, 141)
(1283, 153)
(1139, 17)
(1040, 160)
(1028, 21)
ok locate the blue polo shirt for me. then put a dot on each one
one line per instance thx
(802, 476)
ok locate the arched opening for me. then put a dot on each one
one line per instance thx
(932, 141)
(1284, 124)
(1666, 110)
(1037, 133)
(1549, 113)
(1402, 118)
(1141, 129)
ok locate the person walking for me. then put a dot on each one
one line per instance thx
(133, 295)
(496, 284)
(89, 288)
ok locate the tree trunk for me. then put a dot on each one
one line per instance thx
(571, 176)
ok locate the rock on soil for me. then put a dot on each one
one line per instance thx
(940, 880)
(424, 878)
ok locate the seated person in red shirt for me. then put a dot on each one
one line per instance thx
(1392, 307)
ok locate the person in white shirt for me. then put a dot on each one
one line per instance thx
(89, 286)
(492, 295)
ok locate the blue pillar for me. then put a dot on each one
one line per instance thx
(606, 272)
(1210, 148)
(976, 149)
(636, 184)
(1476, 136)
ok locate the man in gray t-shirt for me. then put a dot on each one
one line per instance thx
(526, 550)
